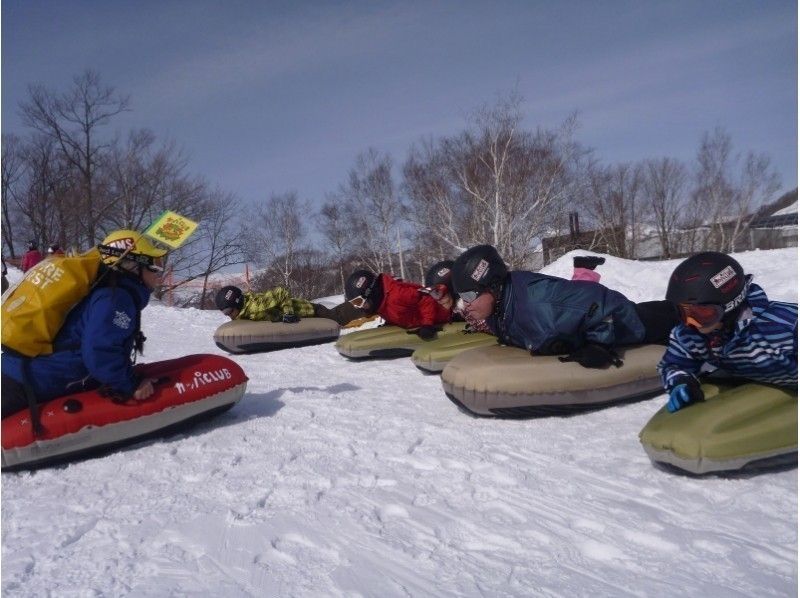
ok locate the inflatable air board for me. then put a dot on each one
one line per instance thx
(509, 382)
(387, 342)
(433, 356)
(745, 427)
(188, 389)
(248, 336)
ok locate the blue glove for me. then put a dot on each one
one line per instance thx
(684, 394)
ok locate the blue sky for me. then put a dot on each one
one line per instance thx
(274, 96)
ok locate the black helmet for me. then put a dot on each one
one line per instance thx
(359, 284)
(32, 245)
(440, 273)
(478, 269)
(709, 277)
(229, 297)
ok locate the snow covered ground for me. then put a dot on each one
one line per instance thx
(337, 478)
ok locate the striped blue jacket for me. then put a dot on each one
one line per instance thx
(762, 347)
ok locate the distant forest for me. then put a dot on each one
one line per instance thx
(68, 181)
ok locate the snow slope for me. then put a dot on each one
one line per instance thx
(337, 478)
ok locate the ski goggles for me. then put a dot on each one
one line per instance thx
(358, 302)
(155, 267)
(436, 291)
(700, 315)
(470, 296)
(150, 263)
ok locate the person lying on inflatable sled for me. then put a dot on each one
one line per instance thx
(727, 324)
(548, 315)
(398, 302)
(277, 305)
(97, 343)
(439, 285)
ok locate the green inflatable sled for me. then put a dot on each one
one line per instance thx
(433, 356)
(744, 427)
(387, 342)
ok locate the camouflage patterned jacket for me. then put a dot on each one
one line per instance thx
(273, 304)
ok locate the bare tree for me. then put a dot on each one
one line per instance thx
(52, 197)
(495, 183)
(612, 199)
(278, 233)
(73, 119)
(729, 187)
(664, 186)
(221, 235)
(337, 230)
(312, 276)
(143, 180)
(13, 171)
(370, 202)
(39, 193)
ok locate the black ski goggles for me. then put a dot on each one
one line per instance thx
(157, 267)
(151, 264)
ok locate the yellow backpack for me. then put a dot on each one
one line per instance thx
(33, 312)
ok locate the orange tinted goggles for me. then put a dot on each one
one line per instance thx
(700, 315)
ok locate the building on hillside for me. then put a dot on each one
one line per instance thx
(776, 226)
(773, 226)
(599, 241)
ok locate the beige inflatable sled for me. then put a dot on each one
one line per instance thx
(247, 336)
(387, 342)
(432, 357)
(746, 427)
(509, 382)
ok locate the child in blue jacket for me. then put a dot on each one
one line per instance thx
(728, 324)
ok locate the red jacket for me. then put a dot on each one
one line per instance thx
(403, 305)
(30, 259)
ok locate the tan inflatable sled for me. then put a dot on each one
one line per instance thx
(434, 356)
(387, 342)
(247, 336)
(509, 382)
(746, 427)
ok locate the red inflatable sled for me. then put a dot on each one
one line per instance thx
(188, 389)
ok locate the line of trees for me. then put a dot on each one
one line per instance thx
(69, 181)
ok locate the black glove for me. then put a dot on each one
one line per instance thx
(426, 333)
(590, 262)
(290, 319)
(594, 356)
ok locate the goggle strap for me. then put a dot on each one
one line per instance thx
(139, 258)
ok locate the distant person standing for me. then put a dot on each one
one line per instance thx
(5, 273)
(31, 257)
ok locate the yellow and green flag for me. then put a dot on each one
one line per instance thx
(171, 229)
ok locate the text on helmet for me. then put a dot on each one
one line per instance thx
(125, 244)
(723, 276)
(480, 270)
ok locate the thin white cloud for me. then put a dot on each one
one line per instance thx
(266, 53)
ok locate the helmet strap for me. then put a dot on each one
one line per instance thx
(497, 293)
